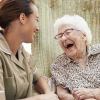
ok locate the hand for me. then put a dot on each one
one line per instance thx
(49, 96)
(82, 93)
(63, 93)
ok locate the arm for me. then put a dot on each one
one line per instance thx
(42, 86)
(49, 96)
(63, 93)
(2, 88)
(38, 81)
(96, 93)
(84, 93)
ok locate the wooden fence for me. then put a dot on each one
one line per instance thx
(45, 48)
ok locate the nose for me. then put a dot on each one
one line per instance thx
(37, 29)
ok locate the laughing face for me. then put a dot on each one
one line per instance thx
(74, 43)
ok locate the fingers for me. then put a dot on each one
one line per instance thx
(61, 92)
(55, 97)
(77, 94)
(82, 93)
(50, 96)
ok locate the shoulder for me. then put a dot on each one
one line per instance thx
(93, 49)
(61, 60)
(27, 56)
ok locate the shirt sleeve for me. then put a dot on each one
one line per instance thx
(58, 75)
(36, 73)
(2, 89)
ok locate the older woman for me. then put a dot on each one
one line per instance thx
(76, 72)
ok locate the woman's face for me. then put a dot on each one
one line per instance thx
(30, 25)
(74, 43)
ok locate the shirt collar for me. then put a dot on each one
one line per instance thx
(4, 45)
(6, 49)
(91, 50)
(26, 55)
(63, 59)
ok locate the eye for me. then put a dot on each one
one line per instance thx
(68, 32)
(60, 35)
(37, 20)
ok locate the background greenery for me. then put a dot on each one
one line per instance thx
(44, 48)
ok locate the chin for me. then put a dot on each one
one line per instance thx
(29, 41)
(71, 55)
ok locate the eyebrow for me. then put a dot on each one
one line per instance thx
(66, 30)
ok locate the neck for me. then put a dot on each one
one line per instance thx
(13, 41)
(81, 59)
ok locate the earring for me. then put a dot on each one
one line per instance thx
(23, 22)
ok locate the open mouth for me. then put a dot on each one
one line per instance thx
(69, 46)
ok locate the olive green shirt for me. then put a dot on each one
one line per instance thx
(16, 75)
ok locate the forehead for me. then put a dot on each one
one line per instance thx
(35, 10)
(64, 27)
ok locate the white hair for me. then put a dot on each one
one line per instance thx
(76, 21)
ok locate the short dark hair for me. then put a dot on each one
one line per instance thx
(11, 10)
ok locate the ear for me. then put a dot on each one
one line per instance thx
(22, 18)
(84, 37)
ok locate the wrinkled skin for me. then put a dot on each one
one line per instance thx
(63, 94)
(83, 93)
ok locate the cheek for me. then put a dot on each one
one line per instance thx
(76, 37)
(62, 45)
(34, 24)
(60, 42)
(79, 45)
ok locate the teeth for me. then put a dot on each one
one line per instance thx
(66, 46)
